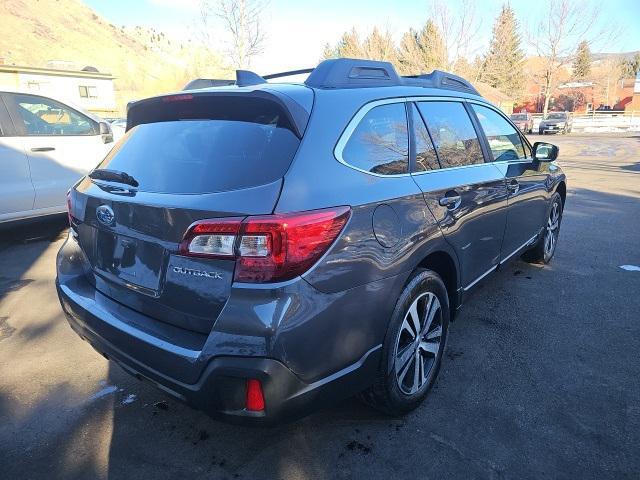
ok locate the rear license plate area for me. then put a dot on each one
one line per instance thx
(129, 260)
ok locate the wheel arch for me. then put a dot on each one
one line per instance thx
(562, 190)
(446, 267)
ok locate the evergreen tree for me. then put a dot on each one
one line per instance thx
(379, 46)
(582, 61)
(409, 54)
(349, 46)
(423, 51)
(503, 63)
(630, 67)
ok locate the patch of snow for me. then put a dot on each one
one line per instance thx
(630, 268)
(129, 399)
(109, 389)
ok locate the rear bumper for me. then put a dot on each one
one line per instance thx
(220, 390)
(193, 367)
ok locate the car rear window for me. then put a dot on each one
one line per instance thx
(215, 146)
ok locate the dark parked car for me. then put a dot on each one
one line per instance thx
(524, 121)
(259, 250)
(556, 122)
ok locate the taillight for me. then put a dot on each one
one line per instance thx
(211, 238)
(267, 248)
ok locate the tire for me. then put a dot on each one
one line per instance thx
(400, 385)
(543, 251)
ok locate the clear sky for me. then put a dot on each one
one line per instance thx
(297, 30)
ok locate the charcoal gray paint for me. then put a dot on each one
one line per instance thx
(310, 333)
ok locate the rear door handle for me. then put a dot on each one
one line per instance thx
(451, 200)
(513, 186)
(43, 149)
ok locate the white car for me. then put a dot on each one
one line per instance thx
(118, 127)
(45, 147)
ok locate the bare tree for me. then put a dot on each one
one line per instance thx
(241, 21)
(555, 38)
(459, 31)
(607, 75)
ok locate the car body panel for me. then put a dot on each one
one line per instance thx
(316, 336)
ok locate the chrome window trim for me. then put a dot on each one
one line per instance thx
(450, 169)
(509, 121)
(366, 108)
(450, 99)
(353, 124)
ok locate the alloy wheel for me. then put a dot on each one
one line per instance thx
(418, 344)
(552, 230)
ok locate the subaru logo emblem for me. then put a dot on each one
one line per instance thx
(105, 215)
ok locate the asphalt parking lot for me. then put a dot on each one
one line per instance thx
(541, 377)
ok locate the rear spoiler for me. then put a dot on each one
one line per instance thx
(157, 109)
(207, 83)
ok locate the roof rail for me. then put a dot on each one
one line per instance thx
(352, 73)
(440, 79)
(349, 73)
(288, 74)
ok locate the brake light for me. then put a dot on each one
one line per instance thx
(267, 248)
(183, 97)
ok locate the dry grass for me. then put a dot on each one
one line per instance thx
(145, 62)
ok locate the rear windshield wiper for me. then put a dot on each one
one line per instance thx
(113, 176)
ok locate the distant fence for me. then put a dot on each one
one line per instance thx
(611, 121)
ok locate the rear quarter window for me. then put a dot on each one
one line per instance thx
(380, 142)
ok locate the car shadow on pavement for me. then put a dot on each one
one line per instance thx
(179, 442)
(546, 393)
(22, 244)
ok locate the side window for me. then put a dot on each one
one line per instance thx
(380, 142)
(43, 116)
(504, 140)
(452, 132)
(426, 158)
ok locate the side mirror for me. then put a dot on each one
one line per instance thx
(105, 132)
(545, 152)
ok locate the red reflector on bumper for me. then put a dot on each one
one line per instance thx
(255, 398)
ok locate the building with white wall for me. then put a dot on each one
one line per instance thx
(87, 88)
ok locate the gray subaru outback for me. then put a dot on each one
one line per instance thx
(259, 250)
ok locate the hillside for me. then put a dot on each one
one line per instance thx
(144, 61)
